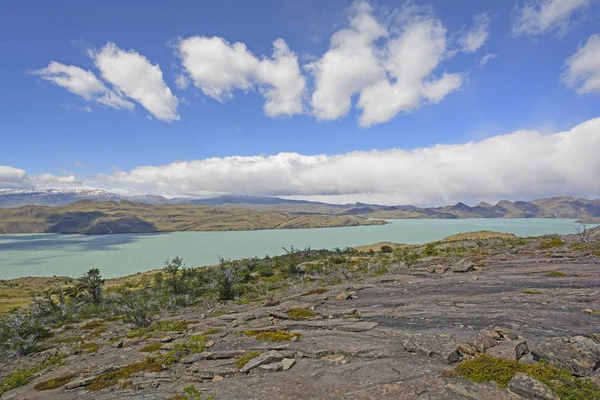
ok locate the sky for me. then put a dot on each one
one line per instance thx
(390, 102)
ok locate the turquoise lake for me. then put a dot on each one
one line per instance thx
(125, 254)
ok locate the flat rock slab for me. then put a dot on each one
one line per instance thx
(444, 347)
(269, 357)
(579, 354)
(530, 388)
(362, 326)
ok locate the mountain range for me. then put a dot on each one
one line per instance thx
(553, 207)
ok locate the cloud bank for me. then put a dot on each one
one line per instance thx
(520, 165)
(538, 17)
(583, 67)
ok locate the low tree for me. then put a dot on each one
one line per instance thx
(175, 280)
(91, 284)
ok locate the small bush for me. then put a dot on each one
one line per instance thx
(53, 383)
(243, 360)
(150, 348)
(300, 313)
(386, 249)
(277, 336)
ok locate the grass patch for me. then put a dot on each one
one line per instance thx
(90, 348)
(94, 326)
(211, 331)
(277, 336)
(218, 313)
(54, 383)
(169, 326)
(314, 291)
(109, 379)
(300, 313)
(557, 274)
(191, 393)
(551, 243)
(22, 377)
(151, 348)
(243, 360)
(530, 291)
(485, 368)
(194, 345)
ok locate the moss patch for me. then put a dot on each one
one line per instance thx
(485, 368)
(551, 243)
(95, 326)
(557, 274)
(108, 379)
(168, 326)
(87, 347)
(530, 291)
(300, 313)
(150, 348)
(277, 336)
(54, 383)
(314, 291)
(22, 377)
(243, 360)
(211, 331)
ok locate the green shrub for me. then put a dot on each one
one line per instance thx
(109, 379)
(22, 377)
(386, 249)
(551, 243)
(485, 368)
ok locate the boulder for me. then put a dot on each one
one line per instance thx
(288, 363)
(527, 359)
(530, 388)
(485, 339)
(506, 333)
(579, 354)
(511, 350)
(268, 357)
(444, 347)
(463, 266)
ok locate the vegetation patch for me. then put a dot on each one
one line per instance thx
(218, 313)
(168, 326)
(67, 340)
(54, 383)
(191, 393)
(485, 368)
(551, 243)
(278, 336)
(195, 344)
(243, 360)
(109, 379)
(151, 348)
(96, 326)
(22, 377)
(300, 313)
(88, 347)
(557, 274)
(531, 291)
(314, 291)
(211, 331)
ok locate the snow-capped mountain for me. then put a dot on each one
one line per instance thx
(52, 197)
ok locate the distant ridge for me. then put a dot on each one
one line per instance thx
(551, 207)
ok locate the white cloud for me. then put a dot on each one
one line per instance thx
(182, 82)
(83, 83)
(70, 106)
(392, 68)
(537, 17)
(485, 59)
(519, 165)
(583, 67)
(14, 178)
(135, 76)
(219, 68)
(474, 39)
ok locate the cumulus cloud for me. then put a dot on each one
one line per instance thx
(14, 178)
(519, 165)
(583, 67)
(477, 36)
(136, 77)
(83, 83)
(391, 67)
(485, 59)
(537, 17)
(219, 68)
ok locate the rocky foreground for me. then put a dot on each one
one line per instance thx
(403, 335)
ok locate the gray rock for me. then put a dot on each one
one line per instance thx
(527, 359)
(288, 363)
(506, 332)
(511, 350)
(485, 339)
(530, 388)
(440, 346)
(80, 382)
(579, 354)
(265, 358)
(273, 367)
(358, 327)
(463, 266)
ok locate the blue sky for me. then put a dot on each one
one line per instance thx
(50, 132)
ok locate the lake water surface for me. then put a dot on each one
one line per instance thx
(125, 254)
